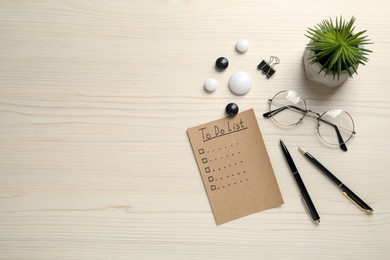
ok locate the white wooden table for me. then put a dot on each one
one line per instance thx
(95, 100)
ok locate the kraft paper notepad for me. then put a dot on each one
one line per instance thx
(235, 167)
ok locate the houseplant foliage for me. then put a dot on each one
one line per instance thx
(336, 47)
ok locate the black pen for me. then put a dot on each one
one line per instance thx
(346, 191)
(305, 194)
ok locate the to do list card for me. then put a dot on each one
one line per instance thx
(235, 167)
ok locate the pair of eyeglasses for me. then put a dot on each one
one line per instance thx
(334, 127)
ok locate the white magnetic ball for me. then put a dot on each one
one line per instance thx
(211, 84)
(242, 45)
(240, 83)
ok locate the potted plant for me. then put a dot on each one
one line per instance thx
(334, 51)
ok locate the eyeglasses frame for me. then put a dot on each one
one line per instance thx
(314, 114)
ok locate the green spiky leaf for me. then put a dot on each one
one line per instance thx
(336, 47)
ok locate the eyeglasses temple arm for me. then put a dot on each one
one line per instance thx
(341, 141)
(339, 137)
(278, 110)
(273, 112)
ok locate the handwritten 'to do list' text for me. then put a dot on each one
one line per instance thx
(209, 133)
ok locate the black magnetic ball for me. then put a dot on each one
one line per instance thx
(231, 109)
(221, 63)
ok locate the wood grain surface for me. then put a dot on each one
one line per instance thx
(95, 100)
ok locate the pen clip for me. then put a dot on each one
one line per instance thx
(354, 202)
(308, 210)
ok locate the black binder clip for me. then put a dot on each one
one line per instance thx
(267, 68)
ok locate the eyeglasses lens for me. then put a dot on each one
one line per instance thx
(332, 119)
(294, 108)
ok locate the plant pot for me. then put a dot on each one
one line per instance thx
(312, 70)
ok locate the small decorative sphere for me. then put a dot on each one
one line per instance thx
(231, 109)
(240, 83)
(221, 63)
(242, 45)
(211, 84)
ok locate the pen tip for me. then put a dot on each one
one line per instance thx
(318, 221)
(301, 150)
